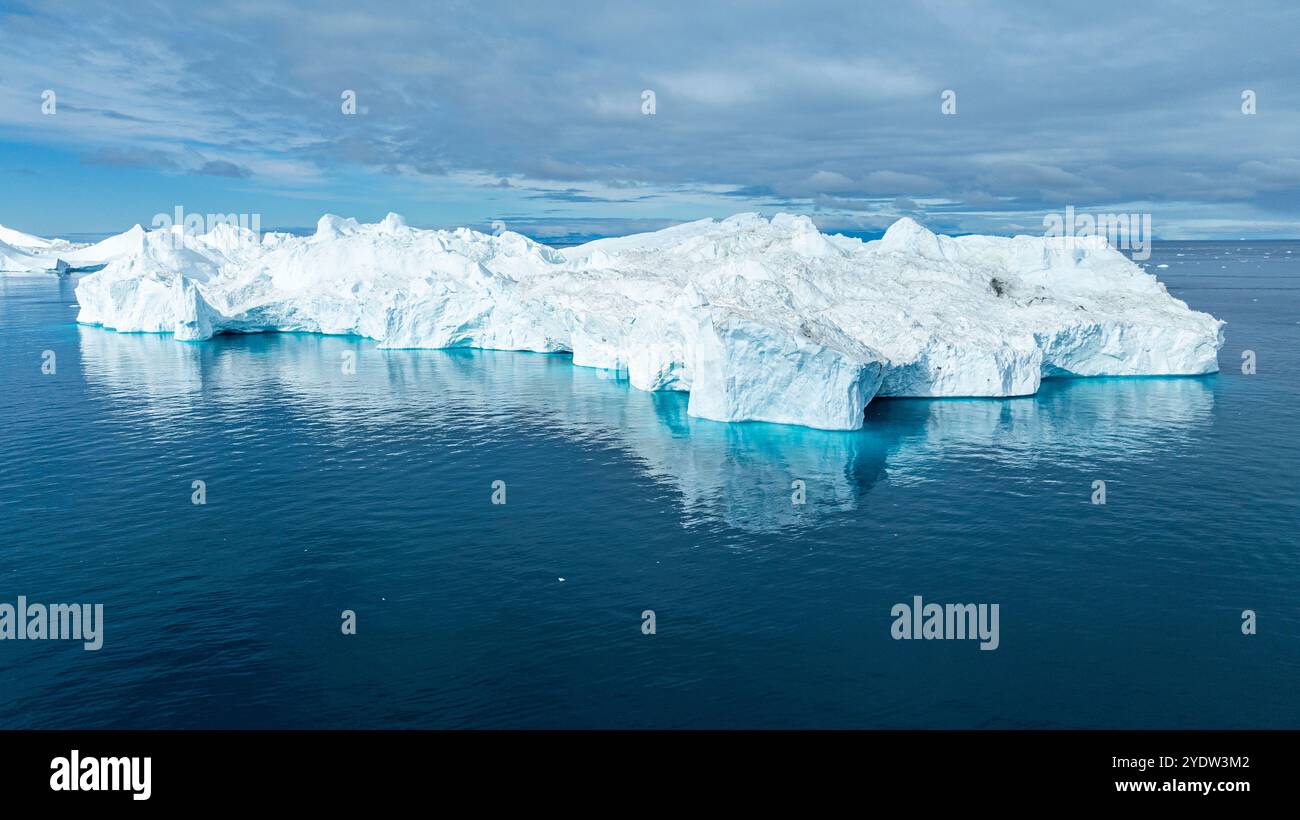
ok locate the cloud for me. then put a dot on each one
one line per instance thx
(835, 108)
(129, 157)
(1273, 174)
(893, 182)
(222, 168)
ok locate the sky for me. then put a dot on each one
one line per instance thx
(535, 115)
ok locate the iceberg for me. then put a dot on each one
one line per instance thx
(121, 246)
(21, 260)
(758, 319)
(24, 253)
(25, 241)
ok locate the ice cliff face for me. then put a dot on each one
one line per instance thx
(760, 320)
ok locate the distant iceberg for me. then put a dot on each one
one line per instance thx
(762, 320)
(22, 260)
(24, 253)
(18, 239)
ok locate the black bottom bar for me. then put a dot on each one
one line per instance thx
(329, 768)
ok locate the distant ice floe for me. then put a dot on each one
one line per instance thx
(758, 319)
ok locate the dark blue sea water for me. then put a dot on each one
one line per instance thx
(372, 492)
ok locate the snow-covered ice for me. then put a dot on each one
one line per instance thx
(24, 253)
(30, 243)
(765, 320)
(21, 259)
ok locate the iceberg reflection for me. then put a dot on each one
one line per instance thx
(1069, 421)
(736, 474)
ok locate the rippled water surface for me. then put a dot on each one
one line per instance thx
(371, 492)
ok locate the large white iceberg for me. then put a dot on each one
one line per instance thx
(763, 320)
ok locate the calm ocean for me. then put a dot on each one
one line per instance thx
(372, 493)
